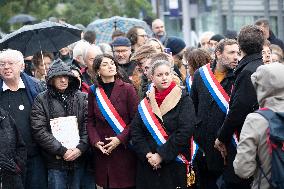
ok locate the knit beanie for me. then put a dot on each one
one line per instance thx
(121, 41)
(175, 44)
(217, 37)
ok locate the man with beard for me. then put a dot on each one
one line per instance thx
(210, 93)
(158, 28)
(242, 102)
(122, 52)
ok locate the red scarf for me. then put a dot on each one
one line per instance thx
(160, 96)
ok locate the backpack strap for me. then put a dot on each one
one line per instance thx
(268, 115)
(262, 173)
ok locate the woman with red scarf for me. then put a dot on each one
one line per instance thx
(161, 131)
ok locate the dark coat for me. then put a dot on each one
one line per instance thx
(178, 121)
(47, 106)
(243, 98)
(273, 40)
(210, 118)
(119, 167)
(33, 88)
(12, 152)
(243, 101)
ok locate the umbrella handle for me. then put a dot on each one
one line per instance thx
(115, 26)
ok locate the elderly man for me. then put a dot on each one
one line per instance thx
(78, 51)
(122, 52)
(158, 28)
(17, 93)
(87, 73)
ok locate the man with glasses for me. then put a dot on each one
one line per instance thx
(122, 52)
(137, 36)
(17, 93)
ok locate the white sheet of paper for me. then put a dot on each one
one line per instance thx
(65, 130)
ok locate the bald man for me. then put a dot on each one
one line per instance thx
(158, 28)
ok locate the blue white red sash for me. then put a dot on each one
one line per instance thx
(217, 92)
(193, 149)
(235, 140)
(154, 127)
(150, 86)
(215, 88)
(188, 82)
(108, 111)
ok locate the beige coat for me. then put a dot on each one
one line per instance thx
(269, 85)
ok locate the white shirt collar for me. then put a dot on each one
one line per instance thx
(21, 85)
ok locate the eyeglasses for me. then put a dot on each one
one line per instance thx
(10, 64)
(121, 51)
(144, 35)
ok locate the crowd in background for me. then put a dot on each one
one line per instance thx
(151, 113)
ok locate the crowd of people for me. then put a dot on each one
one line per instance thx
(143, 112)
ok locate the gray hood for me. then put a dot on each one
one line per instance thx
(60, 68)
(268, 81)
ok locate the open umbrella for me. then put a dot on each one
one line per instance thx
(46, 36)
(21, 18)
(105, 27)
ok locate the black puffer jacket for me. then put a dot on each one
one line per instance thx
(13, 153)
(48, 105)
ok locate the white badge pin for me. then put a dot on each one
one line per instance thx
(21, 107)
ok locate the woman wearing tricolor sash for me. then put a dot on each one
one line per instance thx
(112, 104)
(161, 132)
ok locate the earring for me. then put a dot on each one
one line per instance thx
(99, 74)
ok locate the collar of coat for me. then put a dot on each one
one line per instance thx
(169, 102)
(246, 60)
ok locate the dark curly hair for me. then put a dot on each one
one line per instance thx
(251, 39)
(197, 58)
(96, 66)
(132, 34)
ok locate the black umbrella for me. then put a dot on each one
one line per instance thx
(21, 18)
(46, 36)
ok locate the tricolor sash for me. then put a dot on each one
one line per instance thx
(108, 111)
(215, 88)
(217, 92)
(150, 86)
(154, 127)
(188, 82)
(193, 148)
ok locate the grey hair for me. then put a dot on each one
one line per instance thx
(12, 55)
(96, 49)
(158, 63)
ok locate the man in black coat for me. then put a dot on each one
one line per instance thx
(210, 116)
(243, 98)
(17, 93)
(65, 163)
(13, 153)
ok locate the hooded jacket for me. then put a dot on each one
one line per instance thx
(48, 105)
(269, 86)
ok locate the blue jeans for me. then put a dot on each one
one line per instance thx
(36, 173)
(65, 179)
(88, 181)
